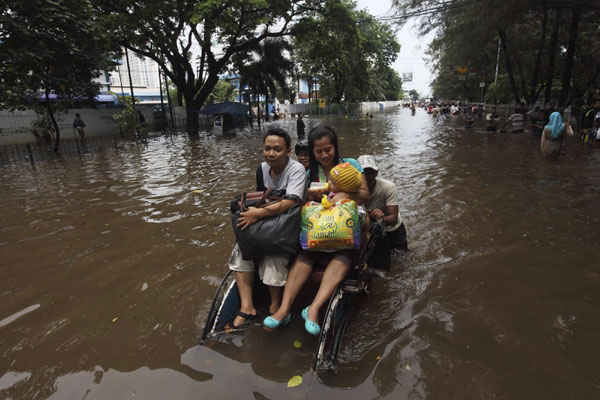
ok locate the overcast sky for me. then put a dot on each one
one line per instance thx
(412, 49)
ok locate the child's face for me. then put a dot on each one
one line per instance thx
(304, 158)
(332, 186)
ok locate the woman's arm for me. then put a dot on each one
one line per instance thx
(568, 129)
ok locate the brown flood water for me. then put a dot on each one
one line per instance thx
(108, 267)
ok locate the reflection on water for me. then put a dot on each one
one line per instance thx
(109, 265)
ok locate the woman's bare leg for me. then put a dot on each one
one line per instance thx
(335, 272)
(298, 275)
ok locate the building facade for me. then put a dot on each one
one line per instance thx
(144, 77)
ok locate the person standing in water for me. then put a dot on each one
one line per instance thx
(300, 126)
(553, 135)
(78, 124)
(468, 118)
(492, 120)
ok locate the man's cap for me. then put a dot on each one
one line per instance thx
(368, 162)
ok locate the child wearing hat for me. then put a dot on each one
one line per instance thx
(344, 179)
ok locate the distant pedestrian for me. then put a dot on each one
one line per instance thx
(516, 121)
(537, 122)
(492, 120)
(468, 118)
(300, 126)
(480, 109)
(79, 125)
(533, 112)
(553, 135)
(591, 122)
(441, 119)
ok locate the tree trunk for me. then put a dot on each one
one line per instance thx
(509, 69)
(191, 123)
(310, 95)
(51, 115)
(552, 56)
(538, 61)
(267, 116)
(179, 97)
(258, 111)
(566, 78)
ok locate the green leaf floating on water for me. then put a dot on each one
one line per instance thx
(297, 344)
(295, 381)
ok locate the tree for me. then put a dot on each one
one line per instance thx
(53, 47)
(414, 95)
(541, 44)
(344, 47)
(167, 30)
(269, 67)
(223, 91)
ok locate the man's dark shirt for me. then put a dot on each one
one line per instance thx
(78, 123)
(300, 127)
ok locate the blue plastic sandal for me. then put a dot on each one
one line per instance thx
(305, 313)
(312, 328)
(272, 323)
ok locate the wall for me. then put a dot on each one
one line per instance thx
(15, 127)
(298, 108)
(375, 106)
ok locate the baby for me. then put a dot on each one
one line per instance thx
(343, 180)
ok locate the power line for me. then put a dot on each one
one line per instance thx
(446, 6)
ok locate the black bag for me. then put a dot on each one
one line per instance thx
(255, 199)
(274, 235)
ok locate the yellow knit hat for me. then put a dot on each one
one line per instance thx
(346, 177)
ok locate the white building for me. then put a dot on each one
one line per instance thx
(144, 76)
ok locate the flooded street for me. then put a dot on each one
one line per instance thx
(109, 266)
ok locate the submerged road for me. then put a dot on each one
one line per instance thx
(109, 266)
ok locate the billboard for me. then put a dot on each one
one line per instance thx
(407, 77)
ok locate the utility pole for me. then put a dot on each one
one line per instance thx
(497, 61)
(162, 103)
(121, 82)
(169, 100)
(130, 84)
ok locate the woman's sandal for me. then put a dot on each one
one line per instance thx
(272, 323)
(311, 327)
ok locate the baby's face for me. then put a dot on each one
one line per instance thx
(332, 186)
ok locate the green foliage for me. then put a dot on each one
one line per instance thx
(414, 95)
(348, 50)
(42, 126)
(50, 46)
(167, 30)
(499, 92)
(533, 59)
(223, 91)
(265, 68)
(126, 120)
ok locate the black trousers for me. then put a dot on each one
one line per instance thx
(380, 257)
